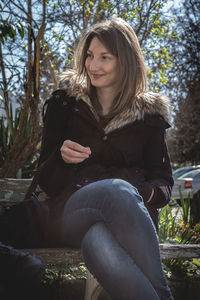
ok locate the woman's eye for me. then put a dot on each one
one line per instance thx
(89, 55)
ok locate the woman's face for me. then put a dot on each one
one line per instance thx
(101, 65)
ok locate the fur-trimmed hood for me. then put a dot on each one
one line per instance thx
(147, 104)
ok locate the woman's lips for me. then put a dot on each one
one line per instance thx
(96, 76)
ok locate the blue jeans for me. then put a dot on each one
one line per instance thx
(119, 243)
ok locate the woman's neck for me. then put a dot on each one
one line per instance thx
(105, 98)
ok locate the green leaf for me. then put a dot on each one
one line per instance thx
(196, 262)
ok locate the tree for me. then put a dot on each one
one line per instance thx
(146, 17)
(185, 138)
(185, 85)
(22, 149)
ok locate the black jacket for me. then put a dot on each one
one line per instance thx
(131, 147)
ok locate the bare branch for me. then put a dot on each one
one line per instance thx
(5, 91)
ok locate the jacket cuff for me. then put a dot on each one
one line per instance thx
(152, 195)
(159, 199)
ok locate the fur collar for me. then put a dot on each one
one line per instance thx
(147, 104)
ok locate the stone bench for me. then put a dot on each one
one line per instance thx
(12, 191)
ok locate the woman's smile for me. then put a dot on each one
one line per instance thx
(96, 76)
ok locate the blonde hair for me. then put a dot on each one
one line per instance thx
(120, 39)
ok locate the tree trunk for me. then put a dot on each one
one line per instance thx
(21, 149)
(5, 91)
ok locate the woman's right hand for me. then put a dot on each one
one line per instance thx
(74, 153)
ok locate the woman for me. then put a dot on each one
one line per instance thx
(104, 169)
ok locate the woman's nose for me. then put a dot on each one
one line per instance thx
(94, 65)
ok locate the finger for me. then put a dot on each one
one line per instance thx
(89, 150)
(74, 159)
(77, 147)
(69, 153)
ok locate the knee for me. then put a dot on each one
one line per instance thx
(120, 185)
(121, 191)
(115, 186)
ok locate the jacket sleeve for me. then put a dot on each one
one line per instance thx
(55, 120)
(154, 181)
(157, 162)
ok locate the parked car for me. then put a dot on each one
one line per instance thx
(189, 182)
(180, 171)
